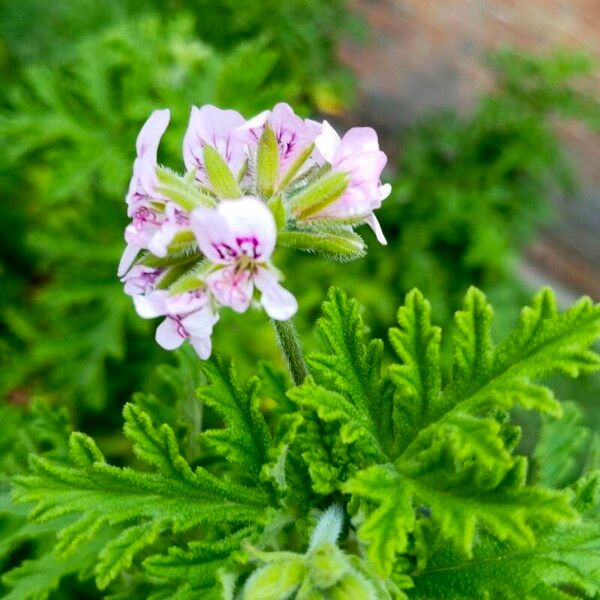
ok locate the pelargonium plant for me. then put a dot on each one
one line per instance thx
(357, 480)
(205, 240)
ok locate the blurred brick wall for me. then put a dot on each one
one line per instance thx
(422, 55)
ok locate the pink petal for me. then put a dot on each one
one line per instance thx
(213, 235)
(328, 142)
(175, 221)
(373, 223)
(218, 128)
(169, 334)
(358, 140)
(187, 303)
(231, 288)
(140, 280)
(258, 121)
(147, 148)
(129, 255)
(363, 167)
(279, 303)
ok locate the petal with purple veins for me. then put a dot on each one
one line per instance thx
(231, 288)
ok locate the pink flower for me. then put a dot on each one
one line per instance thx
(174, 220)
(357, 154)
(293, 133)
(146, 220)
(239, 236)
(218, 128)
(141, 280)
(189, 316)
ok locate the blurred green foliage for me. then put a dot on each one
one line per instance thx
(470, 192)
(68, 131)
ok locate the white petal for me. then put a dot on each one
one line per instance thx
(328, 142)
(168, 335)
(202, 346)
(258, 121)
(384, 191)
(233, 228)
(152, 305)
(201, 322)
(158, 244)
(373, 223)
(279, 303)
(231, 288)
(129, 254)
(213, 234)
(250, 219)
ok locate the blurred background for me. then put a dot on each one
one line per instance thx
(488, 109)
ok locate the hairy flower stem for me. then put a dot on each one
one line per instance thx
(292, 352)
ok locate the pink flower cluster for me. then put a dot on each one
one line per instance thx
(228, 241)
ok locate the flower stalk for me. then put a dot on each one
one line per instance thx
(291, 349)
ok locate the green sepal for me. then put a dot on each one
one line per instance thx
(181, 190)
(296, 166)
(278, 210)
(342, 246)
(319, 195)
(192, 279)
(219, 174)
(267, 163)
(172, 275)
(157, 262)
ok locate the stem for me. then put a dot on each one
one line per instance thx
(292, 352)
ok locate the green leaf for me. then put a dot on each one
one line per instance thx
(245, 441)
(318, 195)
(385, 533)
(219, 174)
(560, 444)
(267, 162)
(351, 366)
(194, 569)
(563, 562)
(455, 504)
(543, 343)
(275, 469)
(333, 407)
(83, 450)
(418, 378)
(118, 554)
(141, 505)
(37, 578)
(342, 246)
(454, 467)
